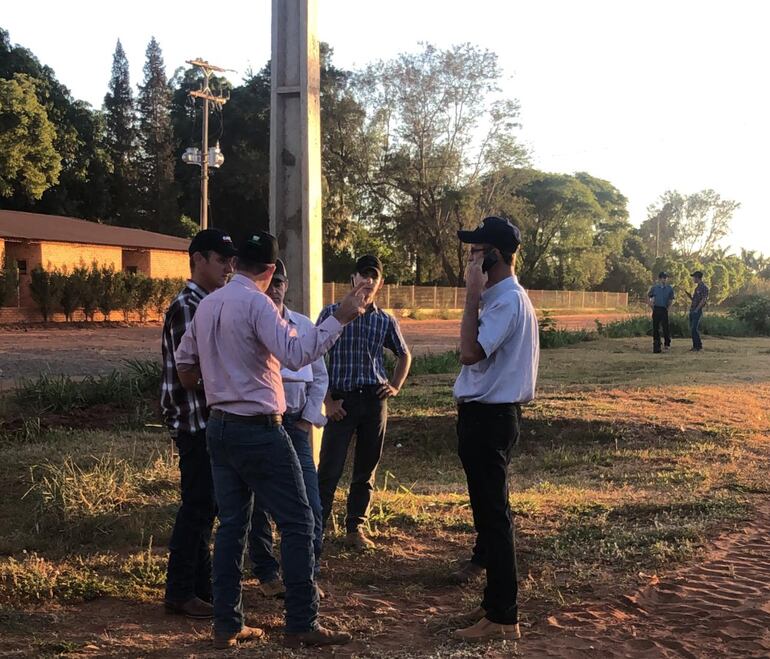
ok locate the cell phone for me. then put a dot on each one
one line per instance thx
(490, 258)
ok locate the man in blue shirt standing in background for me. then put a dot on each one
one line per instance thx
(357, 401)
(661, 297)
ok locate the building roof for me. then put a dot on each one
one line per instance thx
(16, 225)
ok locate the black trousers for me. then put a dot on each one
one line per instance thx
(486, 436)
(189, 558)
(660, 321)
(367, 417)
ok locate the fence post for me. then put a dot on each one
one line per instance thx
(455, 303)
(583, 301)
(569, 299)
(387, 296)
(605, 299)
(435, 297)
(412, 296)
(334, 297)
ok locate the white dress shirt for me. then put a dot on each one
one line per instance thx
(508, 333)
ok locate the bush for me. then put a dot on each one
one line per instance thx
(107, 290)
(754, 310)
(9, 284)
(70, 288)
(43, 288)
(552, 337)
(90, 294)
(679, 323)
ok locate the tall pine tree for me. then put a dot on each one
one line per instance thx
(159, 207)
(120, 120)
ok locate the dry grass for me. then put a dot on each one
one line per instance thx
(628, 463)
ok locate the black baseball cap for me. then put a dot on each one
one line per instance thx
(496, 231)
(280, 271)
(369, 262)
(212, 240)
(662, 275)
(697, 274)
(260, 247)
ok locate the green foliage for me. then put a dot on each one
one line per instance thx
(755, 311)
(70, 287)
(553, 337)
(712, 324)
(43, 288)
(29, 161)
(108, 290)
(90, 293)
(157, 187)
(60, 393)
(9, 284)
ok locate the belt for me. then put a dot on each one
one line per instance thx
(254, 420)
(363, 389)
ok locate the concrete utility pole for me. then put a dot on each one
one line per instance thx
(295, 150)
(207, 97)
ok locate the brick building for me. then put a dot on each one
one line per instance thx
(28, 240)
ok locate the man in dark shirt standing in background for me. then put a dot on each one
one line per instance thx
(661, 297)
(188, 579)
(699, 298)
(357, 401)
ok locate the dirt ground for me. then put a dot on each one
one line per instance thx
(93, 349)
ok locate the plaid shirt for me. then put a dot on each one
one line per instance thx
(356, 359)
(182, 409)
(700, 295)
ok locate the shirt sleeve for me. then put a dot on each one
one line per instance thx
(394, 340)
(495, 326)
(325, 313)
(292, 349)
(187, 350)
(316, 392)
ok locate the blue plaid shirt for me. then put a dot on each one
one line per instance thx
(356, 359)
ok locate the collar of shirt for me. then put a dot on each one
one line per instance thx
(493, 293)
(243, 280)
(288, 316)
(196, 289)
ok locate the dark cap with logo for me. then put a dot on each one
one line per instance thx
(369, 262)
(280, 271)
(259, 247)
(212, 240)
(495, 231)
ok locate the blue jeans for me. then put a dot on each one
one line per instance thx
(245, 459)
(695, 317)
(264, 565)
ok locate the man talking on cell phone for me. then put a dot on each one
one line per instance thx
(499, 351)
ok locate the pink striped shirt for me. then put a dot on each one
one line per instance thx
(239, 340)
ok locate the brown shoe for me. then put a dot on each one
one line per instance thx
(357, 540)
(320, 636)
(192, 608)
(486, 630)
(224, 641)
(274, 588)
(467, 619)
(467, 572)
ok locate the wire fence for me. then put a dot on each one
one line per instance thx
(395, 296)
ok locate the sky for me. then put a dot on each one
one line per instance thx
(652, 96)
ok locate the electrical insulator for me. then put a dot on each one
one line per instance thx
(215, 156)
(192, 156)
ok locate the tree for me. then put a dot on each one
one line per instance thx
(121, 140)
(427, 150)
(691, 225)
(160, 211)
(29, 162)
